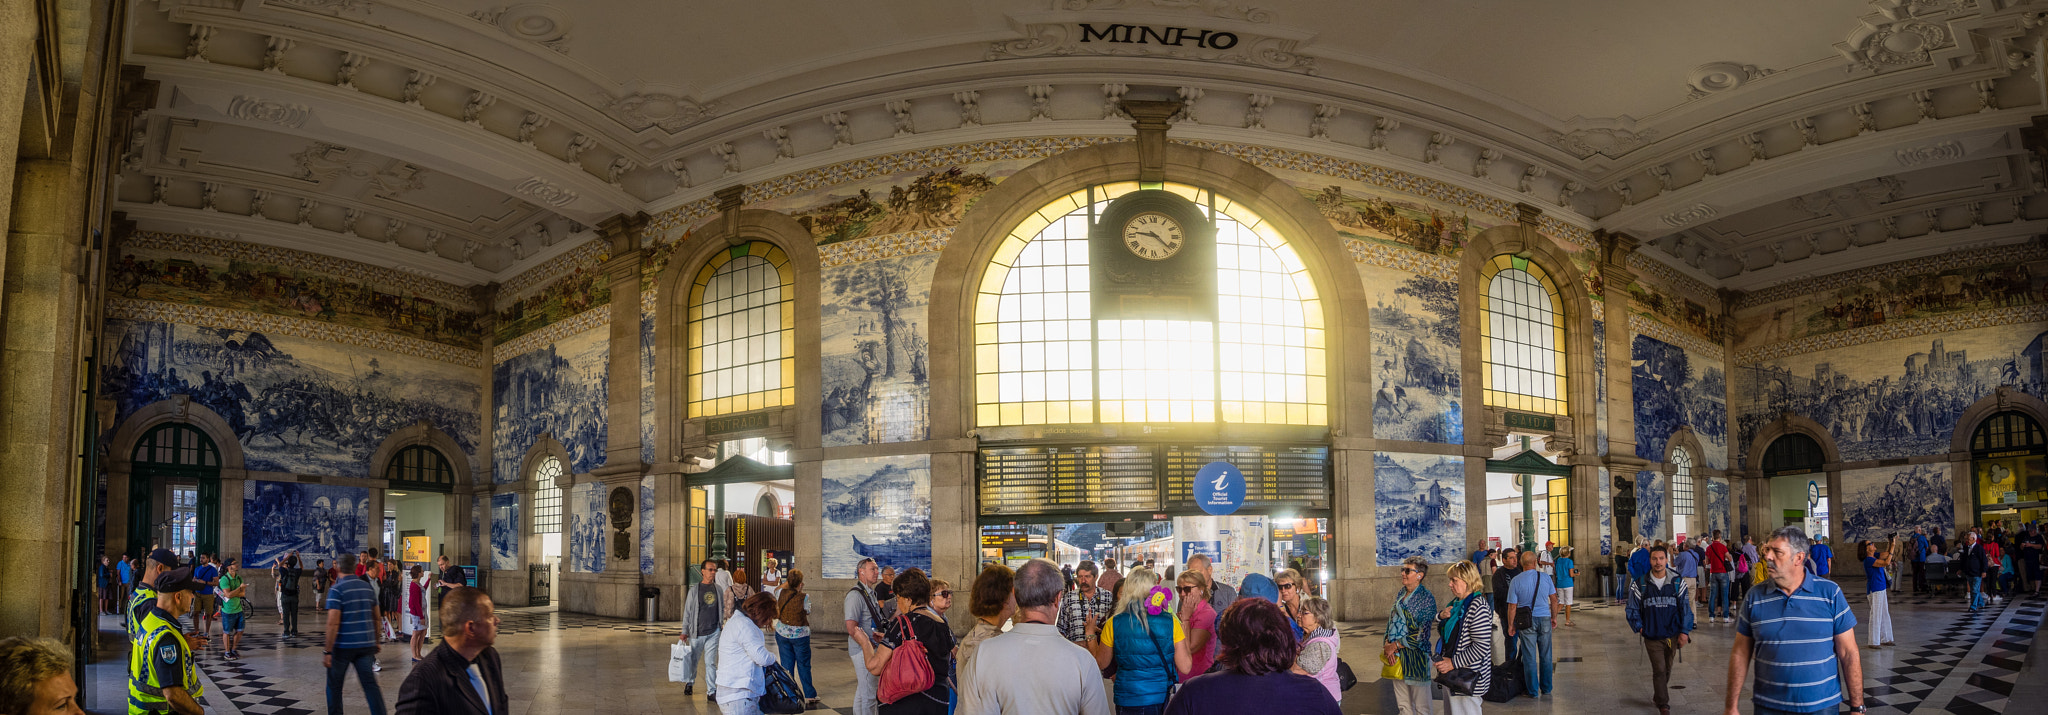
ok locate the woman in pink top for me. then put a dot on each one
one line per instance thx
(416, 610)
(1198, 618)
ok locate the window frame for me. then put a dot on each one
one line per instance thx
(1684, 500)
(547, 496)
(698, 402)
(1493, 367)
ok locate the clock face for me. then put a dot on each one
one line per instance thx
(1153, 236)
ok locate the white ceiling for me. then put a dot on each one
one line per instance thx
(492, 132)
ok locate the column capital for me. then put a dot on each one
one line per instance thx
(1151, 119)
(625, 232)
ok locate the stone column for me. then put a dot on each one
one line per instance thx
(1621, 459)
(617, 590)
(18, 30)
(1356, 587)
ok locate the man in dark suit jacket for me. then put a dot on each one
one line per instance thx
(464, 670)
(1974, 563)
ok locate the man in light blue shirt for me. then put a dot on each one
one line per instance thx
(1533, 590)
(1798, 631)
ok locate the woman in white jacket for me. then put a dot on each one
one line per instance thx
(744, 651)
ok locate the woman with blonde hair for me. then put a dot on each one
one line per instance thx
(1466, 629)
(1146, 673)
(1292, 587)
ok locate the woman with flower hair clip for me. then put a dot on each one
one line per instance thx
(1144, 618)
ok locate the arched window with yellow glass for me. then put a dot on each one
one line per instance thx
(741, 337)
(1523, 330)
(1046, 354)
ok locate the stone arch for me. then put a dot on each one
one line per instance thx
(671, 319)
(981, 231)
(1524, 239)
(176, 408)
(1686, 439)
(1789, 422)
(544, 446)
(422, 433)
(2005, 399)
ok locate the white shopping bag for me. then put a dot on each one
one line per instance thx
(679, 663)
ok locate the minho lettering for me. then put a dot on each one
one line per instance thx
(1145, 35)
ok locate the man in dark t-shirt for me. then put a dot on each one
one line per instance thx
(451, 578)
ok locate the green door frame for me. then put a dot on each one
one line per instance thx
(196, 459)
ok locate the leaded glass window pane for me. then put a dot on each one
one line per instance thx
(741, 321)
(547, 497)
(1681, 482)
(1524, 337)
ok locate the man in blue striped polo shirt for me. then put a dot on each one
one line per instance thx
(352, 637)
(1800, 633)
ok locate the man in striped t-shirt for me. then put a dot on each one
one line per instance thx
(1800, 633)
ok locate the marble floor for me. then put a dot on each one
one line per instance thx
(1947, 661)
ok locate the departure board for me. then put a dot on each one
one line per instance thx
(1273, 476)
(1145, 478)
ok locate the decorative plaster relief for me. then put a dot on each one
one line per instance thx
(1941, 151)
(329, 6)
(1689, 215)
(290, 116)
(533, 22)
(1612, 141)
(673, 113)
(322, 162)
(1884, 46)
(546, 192)
(1063, 39)
(1213, 8)
(1716, 77)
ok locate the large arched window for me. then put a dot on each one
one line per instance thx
(742, 340)
(1524, 336)
(1681, 482)
(547, 507)
(1041, 358)
(420, 467)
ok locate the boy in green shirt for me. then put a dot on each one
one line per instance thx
(233, 608)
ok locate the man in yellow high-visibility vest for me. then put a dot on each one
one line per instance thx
(161, 675)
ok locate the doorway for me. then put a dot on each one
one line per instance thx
(2008, 470)
(1799, 487)
(742, 511)
(174, 492)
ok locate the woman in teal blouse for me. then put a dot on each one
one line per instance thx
(1408, 639)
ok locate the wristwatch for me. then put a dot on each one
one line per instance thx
(1857, 709)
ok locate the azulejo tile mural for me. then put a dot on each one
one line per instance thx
(879, 508)
(295, 405)
(558, 390)
(1600, 386)
(1675, 388)
(582, 288)
(1606, 512)
(1649, 505)
(1416, 361)
(646, 524)
(875, 350)
(318, 521)
(1877, 503)
(586, 527)
(1897, 398)
(648, 453)
(505, 531)
(1895, 292)
(1418, 507)
(196, 270)
(1718, 509)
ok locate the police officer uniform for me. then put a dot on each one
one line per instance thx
(144, 598)
(160, 657)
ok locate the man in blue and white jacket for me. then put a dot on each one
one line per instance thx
(1660, 610)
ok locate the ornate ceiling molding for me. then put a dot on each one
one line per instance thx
(283, 114)
(543, 25)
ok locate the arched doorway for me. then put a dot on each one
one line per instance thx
(1798, 485)
(2008, 470)
(414, 526)
(185, 464)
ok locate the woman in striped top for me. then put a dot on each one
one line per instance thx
(1467, 629)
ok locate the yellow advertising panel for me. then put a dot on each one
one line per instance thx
(417, 549)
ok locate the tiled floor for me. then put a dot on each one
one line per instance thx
(1947, 661)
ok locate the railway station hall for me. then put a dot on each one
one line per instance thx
(1023, 357)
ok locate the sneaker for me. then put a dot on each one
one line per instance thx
(689, 688)
(376, 666)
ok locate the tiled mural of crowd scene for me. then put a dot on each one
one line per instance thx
(1650, 505)
(585, 529)
(875, 350)
(317, 520)
(295, 405)
(1419, 507)
(505, 531)
(1893, 293)
(1675, 388)
(1416, 359)
(1877, 503)
(232, 275)
(558, 390)
(1894, 398)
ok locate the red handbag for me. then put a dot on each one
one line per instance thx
(909, 672)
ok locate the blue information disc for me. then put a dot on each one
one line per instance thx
(1219, 488)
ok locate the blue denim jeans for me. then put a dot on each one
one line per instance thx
(1536, 659)
(704, 649)
(361, 659)
(1717, 594)
(1976, 592)
(796, 656)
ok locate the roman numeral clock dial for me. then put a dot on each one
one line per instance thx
(1153, 236)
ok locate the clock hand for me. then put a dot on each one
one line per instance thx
(1149, 233)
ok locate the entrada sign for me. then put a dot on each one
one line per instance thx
(738, 423)
(1171, 36)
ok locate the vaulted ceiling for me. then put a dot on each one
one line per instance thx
(1748, 142)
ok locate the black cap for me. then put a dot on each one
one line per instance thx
(176, 580)
(165, 557)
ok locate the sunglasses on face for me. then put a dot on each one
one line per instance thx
(1184, 589)
(1407, 570)
(1286, 587)
(945, 594)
